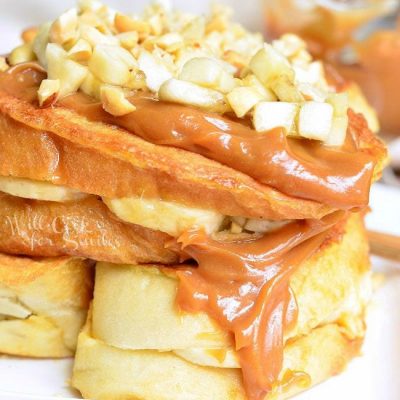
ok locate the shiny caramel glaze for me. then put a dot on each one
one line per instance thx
(244, 286)
(297, 167)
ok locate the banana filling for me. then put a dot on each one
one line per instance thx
(160, 215)
(38, 190)
(164, 216)
(175, 219)
(193, 337)
(10, 307)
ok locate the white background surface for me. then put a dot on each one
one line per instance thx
(374, 376)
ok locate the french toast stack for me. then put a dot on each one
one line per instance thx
(215, 183)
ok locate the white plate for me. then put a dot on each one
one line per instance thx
(373, 376)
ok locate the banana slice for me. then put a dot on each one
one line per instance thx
(38, 190)
(219, 358)
(164, 216)
(11, 308)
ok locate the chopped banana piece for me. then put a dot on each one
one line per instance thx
(206, 62)
(81, 51)
(289, 45)
(285, 90)
(208, 73)
(236, 228)
(311, 92)
(164, 216)
(312, 73)
(124, 23)
(10, 307)
(48, 92)
(95, 37)
(194, 30)
(337, 135)
(64, 27)
(156, 73)
(271, 115)
(302, 58)
(267, 94)
(263, 225)
(170, 41)
(184, 55)
(340, 103)
(241, 221)
(137, 81)
(315, 120)
(182, 92)
(268, 64)
(243, 99)
(40, 42)
(156, 24)
(70, 73)
(22, 54)
(38, 190)
(114, 101)
(235, 59)
(112, 64)
(128, 40)
(91, 86)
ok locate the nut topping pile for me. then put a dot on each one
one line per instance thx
(207, 62)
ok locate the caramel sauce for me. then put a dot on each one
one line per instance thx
(244, 286)
(339, 177)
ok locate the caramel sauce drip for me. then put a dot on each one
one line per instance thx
(244, 286)
(339, 177)
(297, 167)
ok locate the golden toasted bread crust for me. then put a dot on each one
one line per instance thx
(60, 146)
(106, 372)
(84, 228)
(57, 292)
